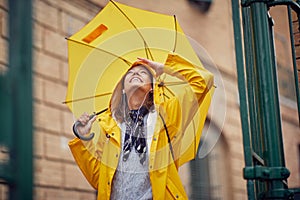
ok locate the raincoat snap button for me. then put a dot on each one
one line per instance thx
(154, 139)
(117, 155)
(177, 196)
(112, 134)
(108, 183)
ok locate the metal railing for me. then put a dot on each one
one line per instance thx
(16, 140)
(265, 169)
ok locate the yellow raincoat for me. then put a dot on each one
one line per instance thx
(98, 160)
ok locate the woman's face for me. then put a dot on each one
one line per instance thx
(137, 78)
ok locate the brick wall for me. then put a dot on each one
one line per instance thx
(56, 175)
(296, 32)
(3, 36)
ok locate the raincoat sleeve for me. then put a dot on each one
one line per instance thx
(87, 162)
(182, 108)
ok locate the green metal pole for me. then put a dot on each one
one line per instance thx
(20, 73)
(263, 145)
(254, 112)
(275, 94)
(251, 82)
(268, 94)
(242, 93)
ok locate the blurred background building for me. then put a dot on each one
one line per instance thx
(217, 172)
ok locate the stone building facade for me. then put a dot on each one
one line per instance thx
(56, 176)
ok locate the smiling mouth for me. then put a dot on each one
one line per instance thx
(135, 79)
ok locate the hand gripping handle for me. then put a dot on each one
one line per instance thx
(75, 131)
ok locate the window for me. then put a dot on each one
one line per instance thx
(202, 5)
(209, 172)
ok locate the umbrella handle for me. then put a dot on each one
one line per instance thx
(85, 138)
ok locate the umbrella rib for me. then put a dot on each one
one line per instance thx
(110, 53)
(195, 145)
(161, 84)
(86, 98)
(173, 83)
(147, 49)
(102, 111)
(175, 27)
(169, 91)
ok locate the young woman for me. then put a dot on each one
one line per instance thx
(132, 157)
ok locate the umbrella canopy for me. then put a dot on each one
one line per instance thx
(102, 51)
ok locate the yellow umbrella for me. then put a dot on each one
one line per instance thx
(102, 51)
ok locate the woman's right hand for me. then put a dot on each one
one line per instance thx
(158, 67)
(86, 123)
